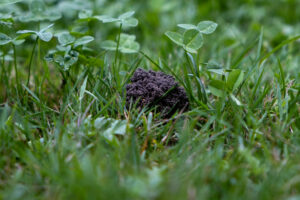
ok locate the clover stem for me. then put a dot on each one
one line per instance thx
(116, 55)
(118, 43)
(3, 69)
(16, 69)
(39, 47)
(30, 62)
(4, 75)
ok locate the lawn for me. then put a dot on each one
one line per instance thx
(71, 127)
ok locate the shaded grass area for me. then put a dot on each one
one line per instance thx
(68, 134)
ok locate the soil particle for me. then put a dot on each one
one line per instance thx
(156, 89)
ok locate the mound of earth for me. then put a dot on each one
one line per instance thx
(156, 89)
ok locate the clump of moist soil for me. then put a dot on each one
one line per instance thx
(156, 89)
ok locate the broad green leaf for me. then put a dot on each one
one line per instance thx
(109, 127)
(45, 36)
(175, 37)
(190, 49)
(217, 88)
(4, 39)
(46, 28)
(126, 15)
(132, 47)
(117, 127)
(234, 79)
(217, 84)
(7, 16)
(128, 44)
(39, 12)
(70, 59)
(50, 56)
(192, 39)
(85, 14)
(100, 122)
(5, 2)
(213, 65)
(217, 71)
(105, 18)
(207, 27)
(17, 42)
(187, 26)
(131, 22)
(59, 59)
(109, 45)
(83, 40)
(65, 38)
(216, 92)
(37, 7)
(4, 23)
(27, 32)
(51, 15)
(67, 60)
(64, 48)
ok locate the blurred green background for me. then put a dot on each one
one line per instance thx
(240, 22)
(213, 159)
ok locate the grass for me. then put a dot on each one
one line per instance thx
(65, 132)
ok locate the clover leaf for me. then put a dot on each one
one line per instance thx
(39, 12)
(4, 39)
(65, 38)
(6, 2)
(125, 19)
(207, 27)
(127, 44)
(42, 34)
(192, 39)
(109, 127)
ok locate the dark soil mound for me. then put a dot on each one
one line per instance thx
(156, 89)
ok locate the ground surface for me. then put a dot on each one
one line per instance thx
(65, 129)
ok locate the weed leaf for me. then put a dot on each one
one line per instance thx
(207, 27)
(175, 37)
(217, 87)
(234, 79)
(187, 26)
(192, 40)
(83, 40)
(65, 38)
(131, 22)
(45, 36)
(109, 45)
(4, 39)
(126, 15)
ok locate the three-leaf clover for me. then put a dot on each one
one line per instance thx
(192, 38)
(65, 38)
(6, 19)
(127, 44)
(42, 34)
(65, 55)
(39, 12)
(6, 2)
(110, 127)
(5, 39)
(222, 87)
(125, 19)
